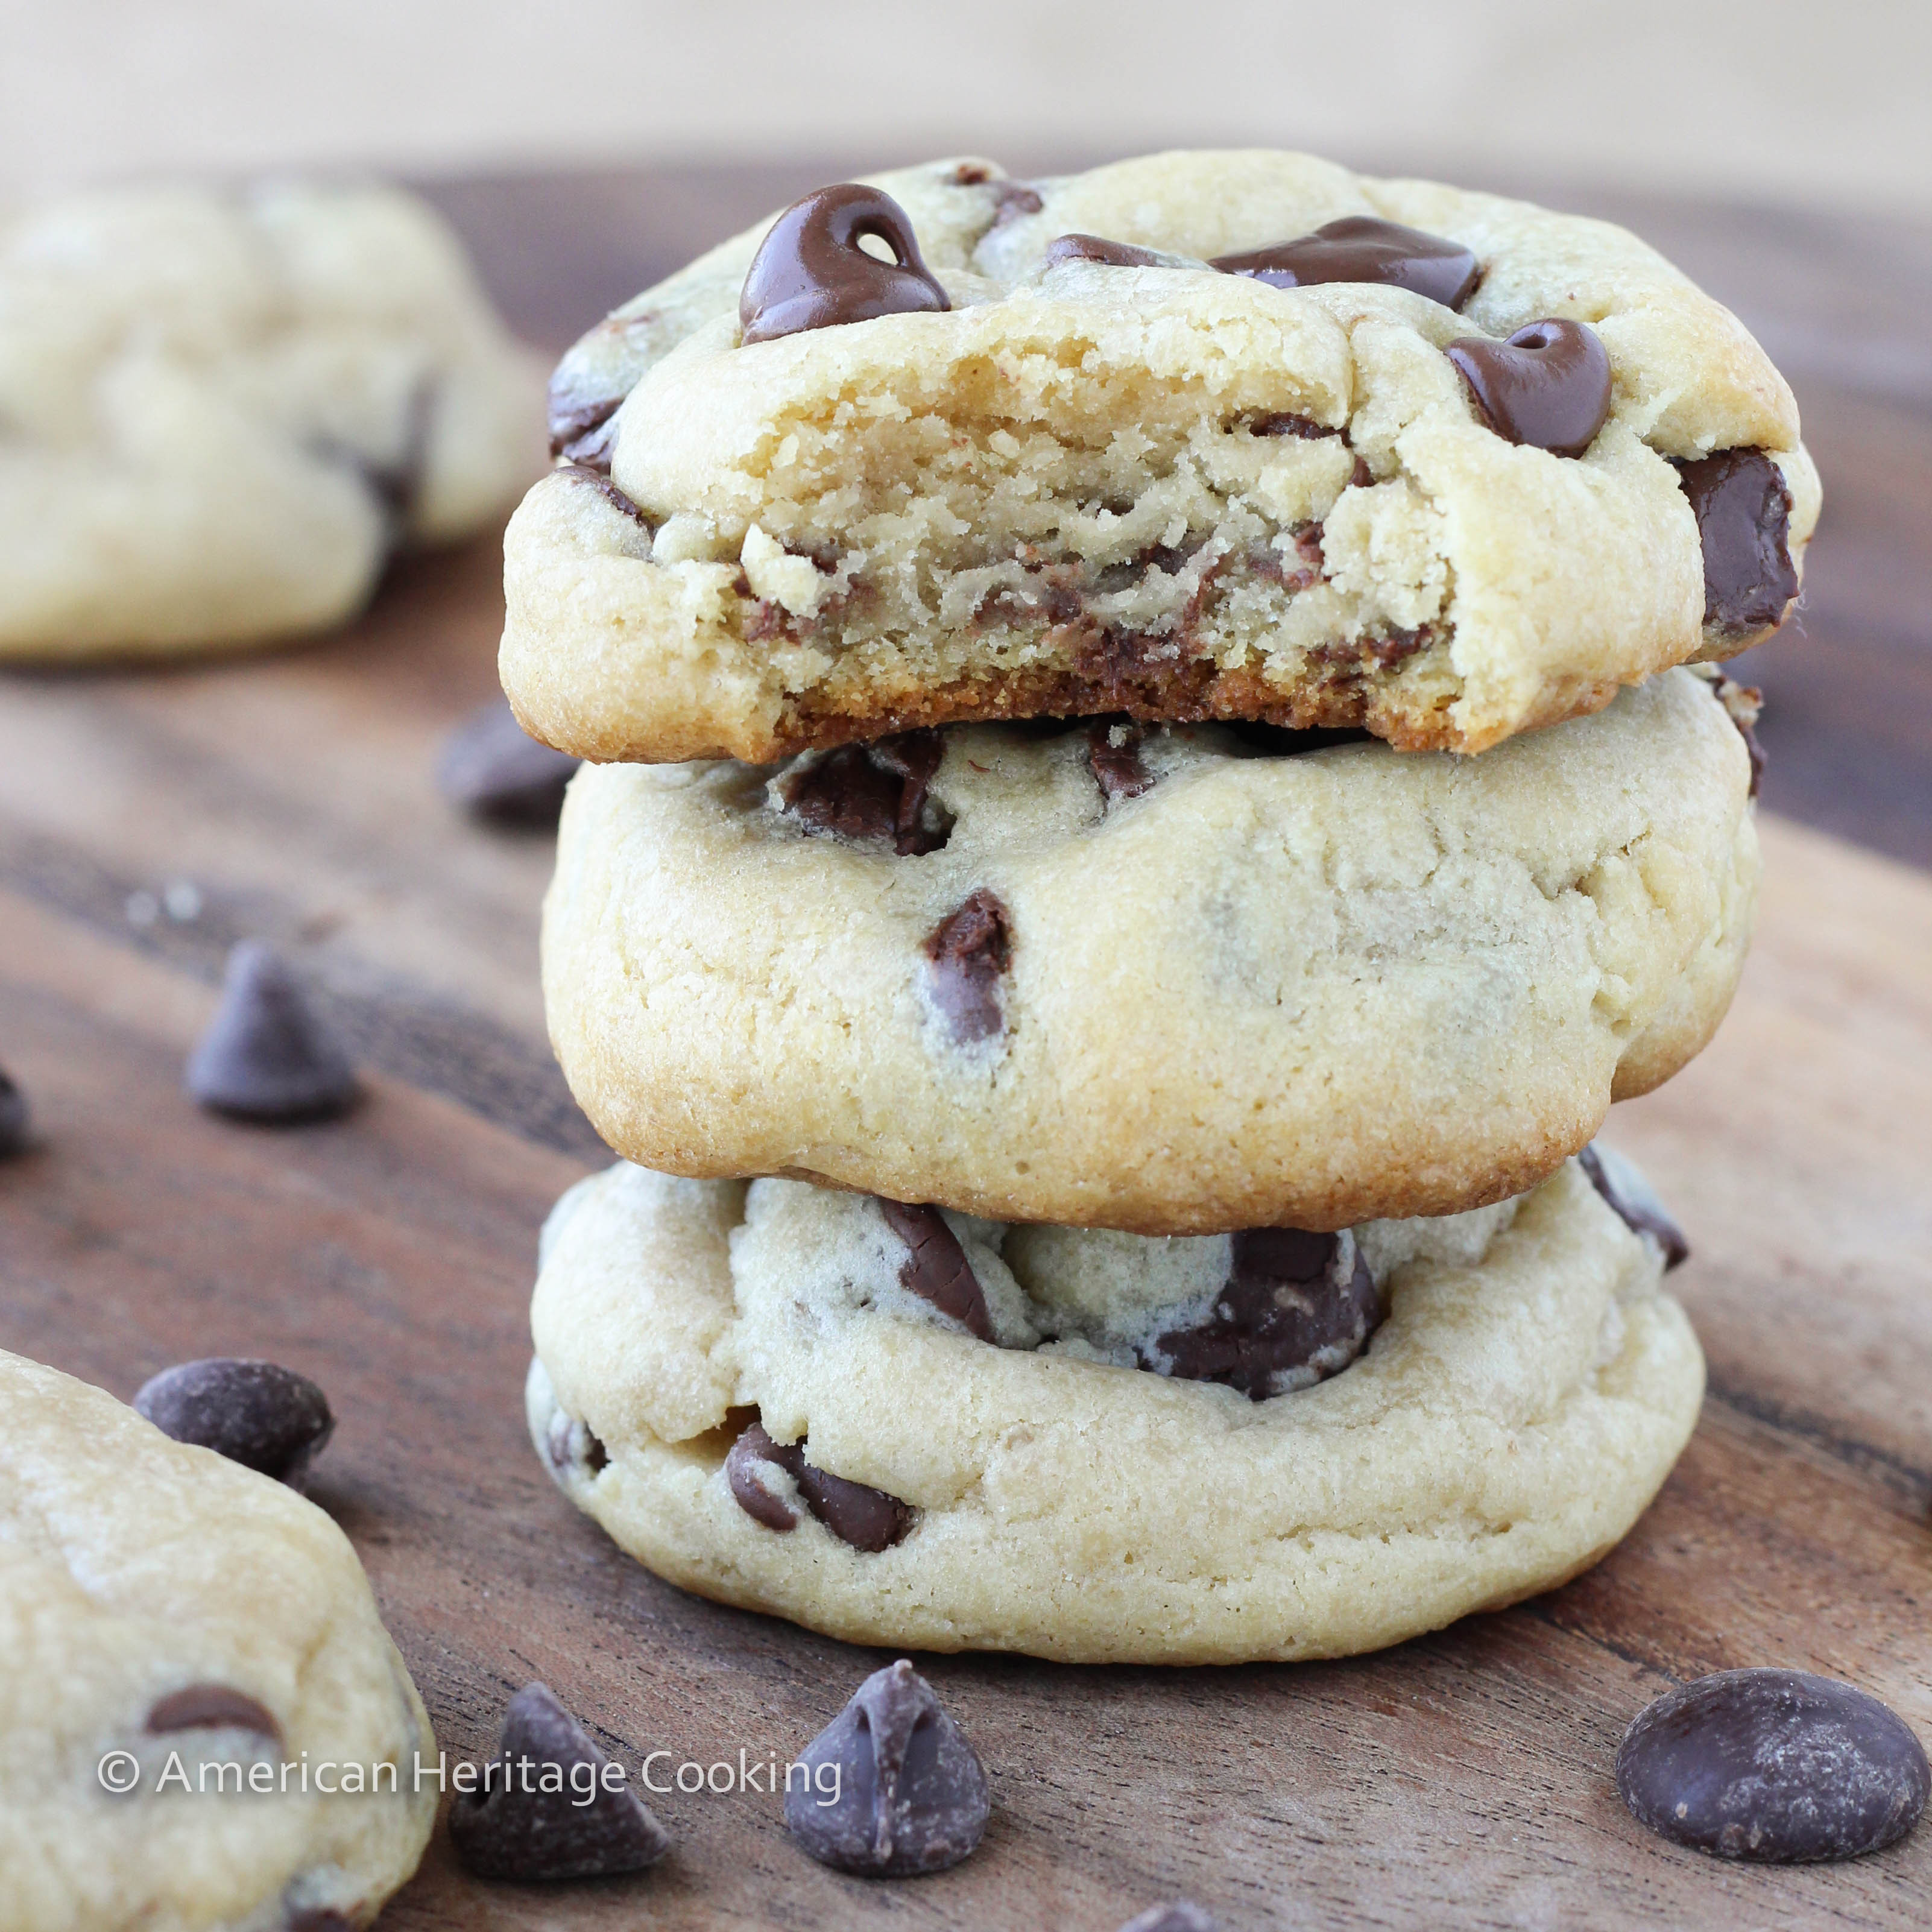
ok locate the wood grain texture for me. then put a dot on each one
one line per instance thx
(1463, 1780)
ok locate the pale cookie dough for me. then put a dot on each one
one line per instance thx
(162, 1610)
(1510, 1418)
(1303, 990)
(1089, 487)
(221, 413)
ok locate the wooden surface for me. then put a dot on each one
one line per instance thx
(1463, 1780)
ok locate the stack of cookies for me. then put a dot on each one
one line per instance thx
(1158, 771)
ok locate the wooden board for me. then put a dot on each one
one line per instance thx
(1462, 1780)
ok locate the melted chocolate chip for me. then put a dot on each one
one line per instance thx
(810, 271)
(1743, 704)
(935, 1268)
(877, 791)
(1181, 1916)
(1097, 248)
(1776, 1766)
(1117, 768)
(266, 1057)
(496, 772)
(1629, 1196)
(265, 1418)
(1548, 385)
(13, 1118)
(588, 477)
(1289, 1316)
(968, 953)
(512, 1828)
(212, 1707)
(1363, 248)
(867, 1519)
(907, 1793)
(1743, 507)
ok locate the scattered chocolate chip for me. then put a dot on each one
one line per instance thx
(1743, 507)
(1744, 704)
(13, 1118)
(810, 271)
(1117, 767)
(1013, 198)
(211, 1707)
(265, 1056)
(1181, 1916)
(935, 1268)
(587, 478)
(1097, 248)
(1296, 1309)
(1548, 385)
(265, 1418)
(867, 1519)
(1776, 1766)
(909, 1795)
(513, 1827)
(1631, 1197)
(877, 791)
(969, 952)
(493, 768)
(1363, 248)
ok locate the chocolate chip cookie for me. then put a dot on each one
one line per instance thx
(1202, 435)
(899, 1425)
(188, 1644)
(1172, 981)
(221, 413)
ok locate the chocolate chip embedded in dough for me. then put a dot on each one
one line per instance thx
(1113, 757)
(968, 953)
(511, 1827)
(1363, 248)
(266, 1418)
(1548, 386)
(572, 1445)
(1743, 507)
(266, 1057)
(1777, 1767)
(867, 1519)
(935, 1268)
(496, 772)
(1630, 1195)
(878, 790)
(585, 477)
(810, 271)
(212, 1707)
(1283, 422)
(13, 1118)
(1013, 198)
(1181, 1916)
(1744, 704)
(906, 1792)
(1298, 1307)
(1097, 248)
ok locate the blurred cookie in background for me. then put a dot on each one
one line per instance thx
(221, 412)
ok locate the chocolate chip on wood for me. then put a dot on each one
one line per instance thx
(1776, 1767)
(266, 1418)
(910, 1795)
(266, 1055)
(496, 772)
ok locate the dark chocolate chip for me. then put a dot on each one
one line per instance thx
(265, 1418)
(906, 1793)
(935, 1268)
(212, 1707)
(1294, 1311)
(877, 791)
(512, 1828)
(1363, 248)
(1282, 422)
(1776, 1766)
(867, 1519)
(1743, 507)
(1630, 1197)
(266, 1057)
(13, 1118)
(968, 953)
(1117, 768)
(493, 768)
(810, 271)
(572, 1445)
(1097, 248)
(1548, 385)
(1744, 704)
(1013, 198)
(1181, 1916)
(587, 477)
